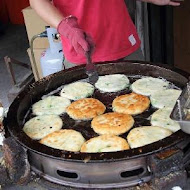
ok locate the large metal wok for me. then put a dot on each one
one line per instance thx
(56, 164)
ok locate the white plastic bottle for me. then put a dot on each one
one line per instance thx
(52, 58)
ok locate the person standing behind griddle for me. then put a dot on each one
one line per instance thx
(83, 24)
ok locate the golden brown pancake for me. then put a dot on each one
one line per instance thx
(112, 123)
(132, 104)
(85, 109)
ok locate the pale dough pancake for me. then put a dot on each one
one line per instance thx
(51, 105)
(85, 109)
(65, 139)
(40, 126)
(77, 90)
(112, 83)
(131, 104)
(112, 123)
(148, 85)
(142, 136)
(162, 118)
(165, 98)
(105, 143)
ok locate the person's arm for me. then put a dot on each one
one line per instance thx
(66, 26)
(162, 2)
(47, 12)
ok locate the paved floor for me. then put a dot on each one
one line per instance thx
(13, 43)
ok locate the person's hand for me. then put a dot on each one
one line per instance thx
(163, 2)
(70, 29)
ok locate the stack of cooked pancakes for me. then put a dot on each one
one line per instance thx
(131, 104)
(85, 109)
(112, 123)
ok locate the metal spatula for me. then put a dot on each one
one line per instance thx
(91, 69)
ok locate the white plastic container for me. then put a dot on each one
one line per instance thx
(52, 58)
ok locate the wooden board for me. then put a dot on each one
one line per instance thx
(181, 16)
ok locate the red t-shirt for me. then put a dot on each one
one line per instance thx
(109, 24)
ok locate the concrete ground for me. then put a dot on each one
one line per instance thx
(13, 43)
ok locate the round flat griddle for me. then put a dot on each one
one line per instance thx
(20, 110)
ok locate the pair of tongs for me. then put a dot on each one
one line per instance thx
(90, 67)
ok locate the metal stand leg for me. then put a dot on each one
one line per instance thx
(17, 86)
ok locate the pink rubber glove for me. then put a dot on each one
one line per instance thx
(70, 29)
